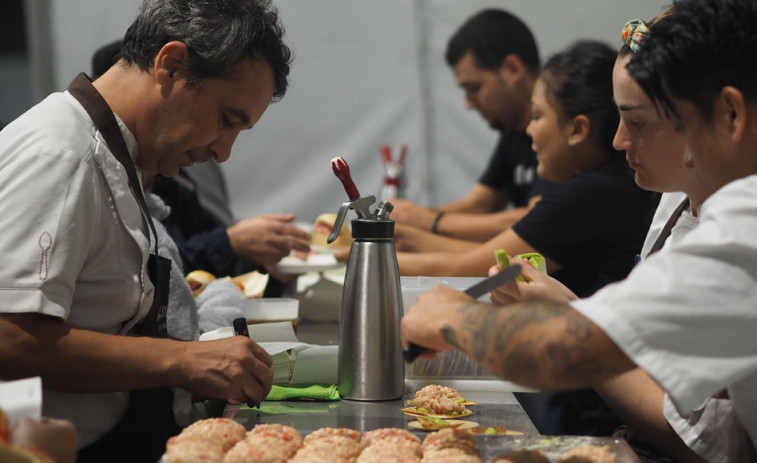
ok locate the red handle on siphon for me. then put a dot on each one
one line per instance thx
(342, 172)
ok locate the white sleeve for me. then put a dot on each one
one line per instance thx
(46, 196)
(687, 315)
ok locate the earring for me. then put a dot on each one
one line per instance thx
(572, 141)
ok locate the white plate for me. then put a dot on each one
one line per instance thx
(292, 265)
(327, 249)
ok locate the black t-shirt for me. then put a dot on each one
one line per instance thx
(512, 169)
(593, 225)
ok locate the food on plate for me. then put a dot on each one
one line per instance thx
(197, 280)
(252, 451)
(384, 453)
(252, 284)
(333, 449)
(327, 432)
(522, 456)
(450, 455)
(284, 439)
(189, 450)
(495, 431)
(426, 423)
(432, 391)
(370, 437)
(588, 454)
(324, 223)
(223, 431)
(422, 411)
(390, 444)
(450, 439)
(534, 258)
(439, 402)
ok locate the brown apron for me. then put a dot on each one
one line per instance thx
(142, 433)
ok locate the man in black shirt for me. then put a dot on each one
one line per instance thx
(495, 60)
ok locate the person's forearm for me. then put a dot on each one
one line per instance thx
(75, 360)
(638, 401)
(467, 206)
(478, 227)
(540, 345)
(428, 264)
(409, 239)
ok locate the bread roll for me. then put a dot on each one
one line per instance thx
(198, 279)
(324, 223)
(252, 284)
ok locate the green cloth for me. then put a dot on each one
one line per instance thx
(321, 392)
(313, 392)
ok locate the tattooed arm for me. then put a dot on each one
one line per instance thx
(539, 344)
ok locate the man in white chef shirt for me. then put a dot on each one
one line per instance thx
(75, 242)
(687, 314)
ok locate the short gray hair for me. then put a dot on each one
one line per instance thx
(219, 34)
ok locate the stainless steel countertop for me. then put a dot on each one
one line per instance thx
(492, 409)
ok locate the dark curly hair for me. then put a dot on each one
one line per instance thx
(579, 81)
(692, 53)
(219, 34)
(491, 35)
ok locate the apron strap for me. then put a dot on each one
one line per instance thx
(158, 268)
(98, 109)
(669, 227)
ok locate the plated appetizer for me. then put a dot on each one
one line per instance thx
(439, 402)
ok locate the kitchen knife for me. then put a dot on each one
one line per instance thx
(479, 289)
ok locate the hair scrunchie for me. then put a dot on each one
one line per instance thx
(634, 33)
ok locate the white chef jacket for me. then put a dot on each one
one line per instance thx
(74, 242)
(688, 314)
(705, 430)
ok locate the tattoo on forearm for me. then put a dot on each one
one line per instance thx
(467, 307)
(481, 321)
(449, 335)
(499, 336)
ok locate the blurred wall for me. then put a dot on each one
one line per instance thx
(365, 73)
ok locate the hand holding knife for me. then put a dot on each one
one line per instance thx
(477, 290)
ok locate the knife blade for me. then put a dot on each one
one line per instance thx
(477, 290)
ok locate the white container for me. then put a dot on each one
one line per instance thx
(413, 286)
(273, 309)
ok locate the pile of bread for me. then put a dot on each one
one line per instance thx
(221, 440)
(225, 441)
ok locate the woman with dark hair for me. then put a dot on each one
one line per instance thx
(591, 226)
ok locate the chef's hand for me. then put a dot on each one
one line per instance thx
(537, 287)
(235, 369)
(424, 322)
(409, 213)
(266, 239)
(57, 438)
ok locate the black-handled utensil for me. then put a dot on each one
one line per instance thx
(479, 289)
